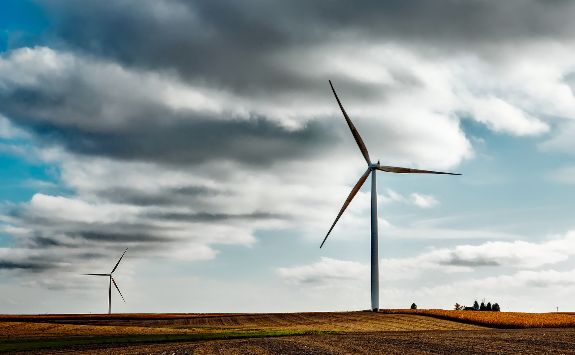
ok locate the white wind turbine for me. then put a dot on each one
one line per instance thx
(371, 169)
(111, 280)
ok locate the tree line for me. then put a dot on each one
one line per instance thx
(476, 307)
(479, 307)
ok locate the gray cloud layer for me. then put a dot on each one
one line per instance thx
(175, 121)
(211, 39)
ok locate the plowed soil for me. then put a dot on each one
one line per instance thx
(340, 322)
(532, 341)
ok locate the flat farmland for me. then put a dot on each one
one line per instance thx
(524, 341)
(509, 320)
(391, 331)
(42, 326)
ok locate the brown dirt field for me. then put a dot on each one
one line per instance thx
(18, 330)
(341, 322)
(520, 341)
(345, 321)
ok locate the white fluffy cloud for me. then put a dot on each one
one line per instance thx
(466, 258)
(519, 254)
(461, 258)
(501, 116)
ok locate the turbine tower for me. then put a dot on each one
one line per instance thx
(111, 280)
(371, 169)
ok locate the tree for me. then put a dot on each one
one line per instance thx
(488, 307)
(476, 305)
(413, 306)
(458, 307)
(495, 307)
(482, 307)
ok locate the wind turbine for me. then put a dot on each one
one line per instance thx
(112, 281)
(371, 169)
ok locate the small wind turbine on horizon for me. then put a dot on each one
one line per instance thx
(371, 169)
(111, 280)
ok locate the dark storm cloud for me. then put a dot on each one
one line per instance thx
(119, 237)
(212, 40)
(222, 43)
(47, 242)
(167, 197)
(215, 217)
(73, 109)
(28, 266)
(256, 141)
(76, 234)
(53, 232)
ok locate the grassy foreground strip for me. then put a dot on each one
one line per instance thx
(505, 320)
(10, 345)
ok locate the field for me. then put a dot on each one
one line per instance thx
(389, 331)
(505, 320)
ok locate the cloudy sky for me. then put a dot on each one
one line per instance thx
(204, 137)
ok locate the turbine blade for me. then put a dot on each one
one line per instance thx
(118, 263)
(117, 288)
(354, 131)
(395, 169)
(347, 201)
(97, 274)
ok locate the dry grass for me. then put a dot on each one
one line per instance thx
(497, 319)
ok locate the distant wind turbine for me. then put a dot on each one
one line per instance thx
(112, 281)
(371, 169)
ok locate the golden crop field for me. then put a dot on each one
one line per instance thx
(497, 319)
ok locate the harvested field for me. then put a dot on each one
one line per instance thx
(33, 333)
(302, 322)
(343, 322)
(509, 320)
(390, 331)
(15, 330)
(524, 341)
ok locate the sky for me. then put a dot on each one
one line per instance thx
(204, 137)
